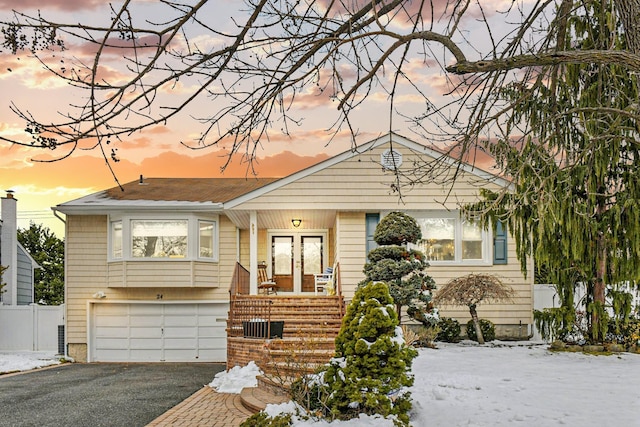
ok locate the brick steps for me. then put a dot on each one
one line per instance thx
(311, 325)
(255, 399)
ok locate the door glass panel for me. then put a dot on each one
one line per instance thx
(312, 255)
(311, 261)
(282, 255)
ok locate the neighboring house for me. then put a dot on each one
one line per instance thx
(164, 250)
(19, 276)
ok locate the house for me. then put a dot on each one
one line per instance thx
(19, 275)
(149, 268)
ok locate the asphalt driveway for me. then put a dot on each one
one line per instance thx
(99, 394)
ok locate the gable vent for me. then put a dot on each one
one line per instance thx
(391, 159)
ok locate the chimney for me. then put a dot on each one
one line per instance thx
(9, 247)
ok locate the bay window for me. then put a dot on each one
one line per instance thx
(179, 237)
(159, 238)
(206, 238)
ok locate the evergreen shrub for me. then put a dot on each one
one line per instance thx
(449, 330)
(486, 326)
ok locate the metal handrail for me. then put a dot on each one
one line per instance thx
(240, 281)
(249, 317)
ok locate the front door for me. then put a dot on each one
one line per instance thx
(295, 258)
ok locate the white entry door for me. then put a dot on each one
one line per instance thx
(158, 332)
(296, 257)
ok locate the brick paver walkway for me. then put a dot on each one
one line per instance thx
(205, 407)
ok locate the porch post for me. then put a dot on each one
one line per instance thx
(253, 253)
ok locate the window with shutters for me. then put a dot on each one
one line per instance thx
(449, 239)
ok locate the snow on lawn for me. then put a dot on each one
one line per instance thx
(25, 360)
(506, 383)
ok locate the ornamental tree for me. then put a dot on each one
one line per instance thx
(401, 268)
(371, 367)
(471, 290)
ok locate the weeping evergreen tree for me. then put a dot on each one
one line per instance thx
(575, 198)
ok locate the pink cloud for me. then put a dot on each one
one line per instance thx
(65, 5)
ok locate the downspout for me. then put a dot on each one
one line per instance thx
(64, 315)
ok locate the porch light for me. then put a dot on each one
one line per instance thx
(296, 222)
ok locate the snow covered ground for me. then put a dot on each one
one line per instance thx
(25, 360)
(502, 384)
(497, 384)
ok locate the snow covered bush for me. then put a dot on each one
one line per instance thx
(371, 368)
(449, 330)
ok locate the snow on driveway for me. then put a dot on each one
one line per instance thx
(15, 361)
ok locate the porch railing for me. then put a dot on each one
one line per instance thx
(250, 317)
(240, 281)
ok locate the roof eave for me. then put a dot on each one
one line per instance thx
(175, 206)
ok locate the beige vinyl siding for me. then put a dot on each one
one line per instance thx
(351, 235)
(359, 184)
(163, 274)
(88, 272)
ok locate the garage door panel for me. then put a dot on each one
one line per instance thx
(144, 309)
(183, 320)
(111, 309)
(156, 332)
(146, 321)
(179, 309)
(178, 343)
(177, 332)
(181, 355)
(113, 332)
(145, 343)
(144, 355)
(108, 343)
(111, 320)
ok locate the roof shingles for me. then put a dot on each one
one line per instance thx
(216, 190)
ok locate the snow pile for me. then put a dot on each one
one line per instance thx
(237, 378)
(25, 361)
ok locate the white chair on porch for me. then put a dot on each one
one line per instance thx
(323, 280)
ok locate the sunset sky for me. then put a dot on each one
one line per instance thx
(157, 152)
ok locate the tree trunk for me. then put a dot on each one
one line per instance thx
(629, 13)
(599, 286)
(476, 323)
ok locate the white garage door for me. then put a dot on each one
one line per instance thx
(158, 332)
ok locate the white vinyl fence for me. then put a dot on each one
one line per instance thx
(30, 327)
